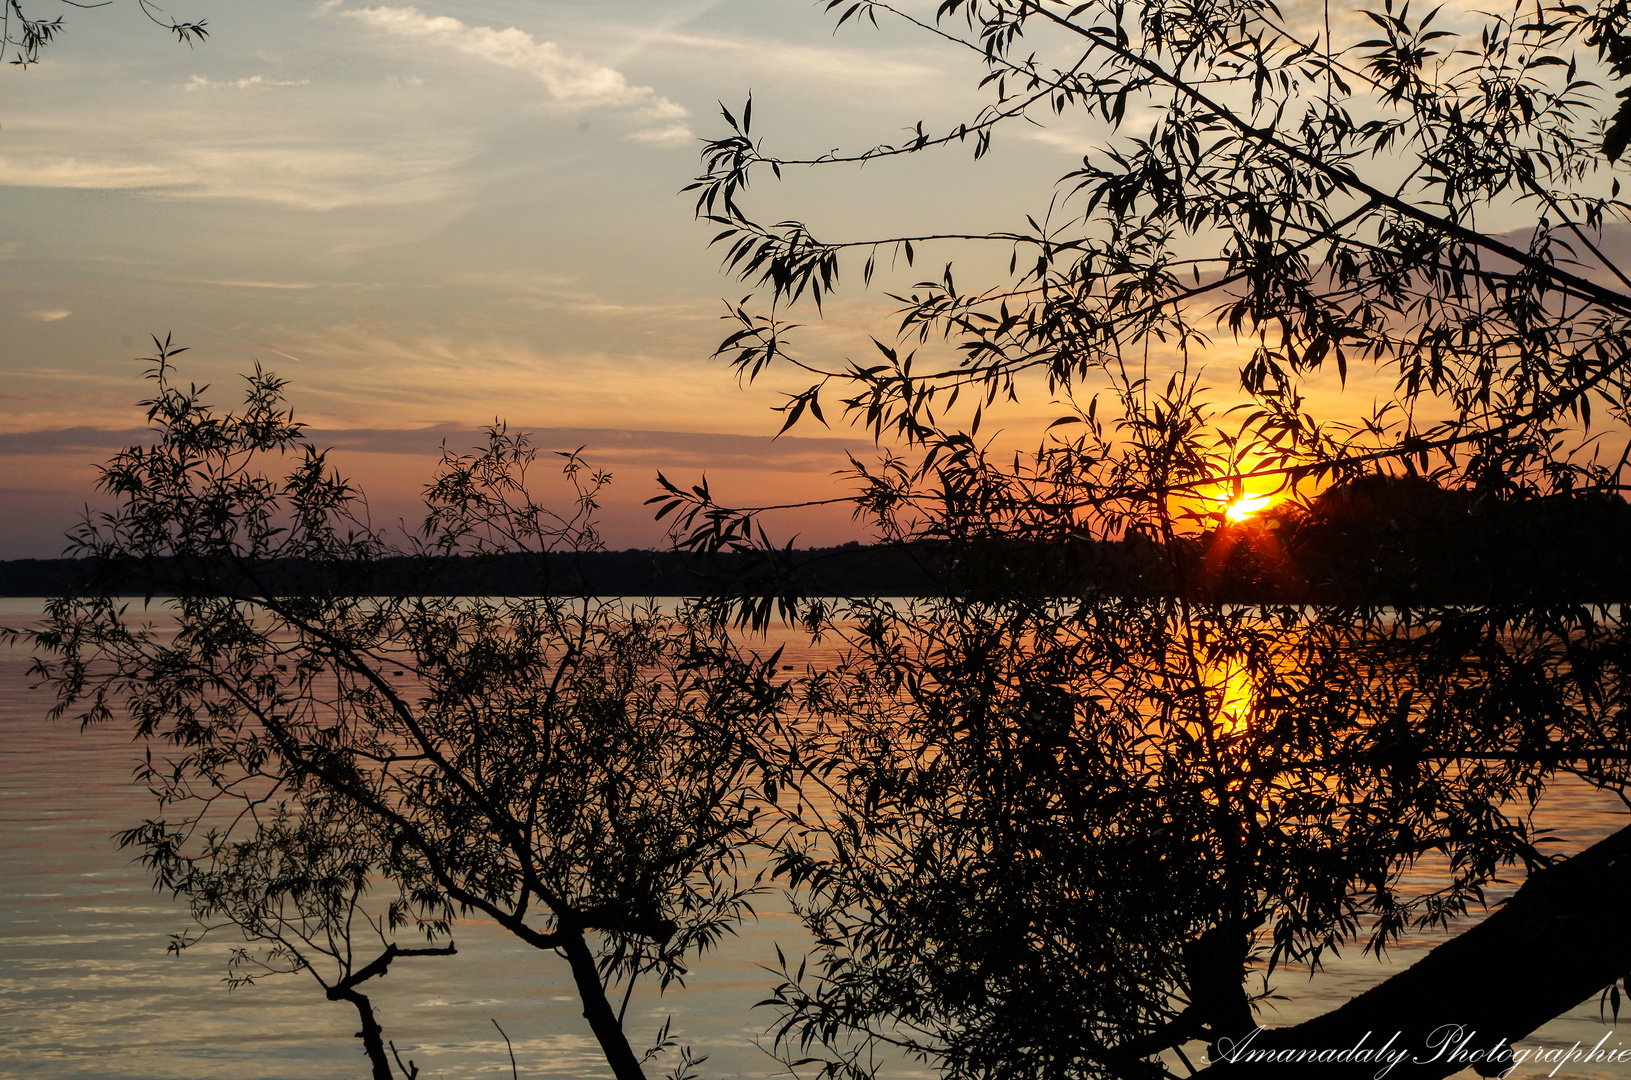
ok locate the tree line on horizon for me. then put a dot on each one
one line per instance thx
(1377, 539)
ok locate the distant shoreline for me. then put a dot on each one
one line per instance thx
(850, 571)
(1384, 555)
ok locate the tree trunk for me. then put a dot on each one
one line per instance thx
(598, 1011)
(372, 1035)
(1562, 938)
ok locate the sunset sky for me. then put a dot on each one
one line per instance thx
(428, 217)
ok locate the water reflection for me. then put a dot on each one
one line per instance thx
(1230, 692)
(87, 989)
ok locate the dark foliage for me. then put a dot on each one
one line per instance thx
(1111, 812)
(332, 767)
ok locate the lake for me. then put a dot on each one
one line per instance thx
(88, 990)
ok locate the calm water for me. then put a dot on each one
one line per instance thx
(87, 990)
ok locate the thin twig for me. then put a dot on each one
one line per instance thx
(513, 1074)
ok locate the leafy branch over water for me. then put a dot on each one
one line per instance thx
(1063, 826)
(328, 768)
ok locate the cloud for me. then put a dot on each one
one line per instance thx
(291, 173)
(35, 168)
(545, 292)
(363, 374)
(1081, 136)
(269, 284)
(614, 446)
(672, 135)
(611, 446)
(1070, 142)
(253, 82)
(573, 81)
(263, 138)
(828, 66)
(97, 442)
(52, 315)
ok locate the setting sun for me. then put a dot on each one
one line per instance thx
(1243, 508)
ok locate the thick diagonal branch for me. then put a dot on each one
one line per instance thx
(1559, 940)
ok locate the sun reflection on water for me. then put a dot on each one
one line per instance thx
(1230, 694)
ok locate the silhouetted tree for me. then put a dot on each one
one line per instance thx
(585, 774)
(1066, 828)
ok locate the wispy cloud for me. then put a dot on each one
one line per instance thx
(265, 169)
(573, 81)
(867, 70)
(50, 315)
(253, 82)
(41, 168)
(269, 284)
(1075, 143)
(544, 292)
(699, 449)
(672, 135)
(372, 375)
(77, 441)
